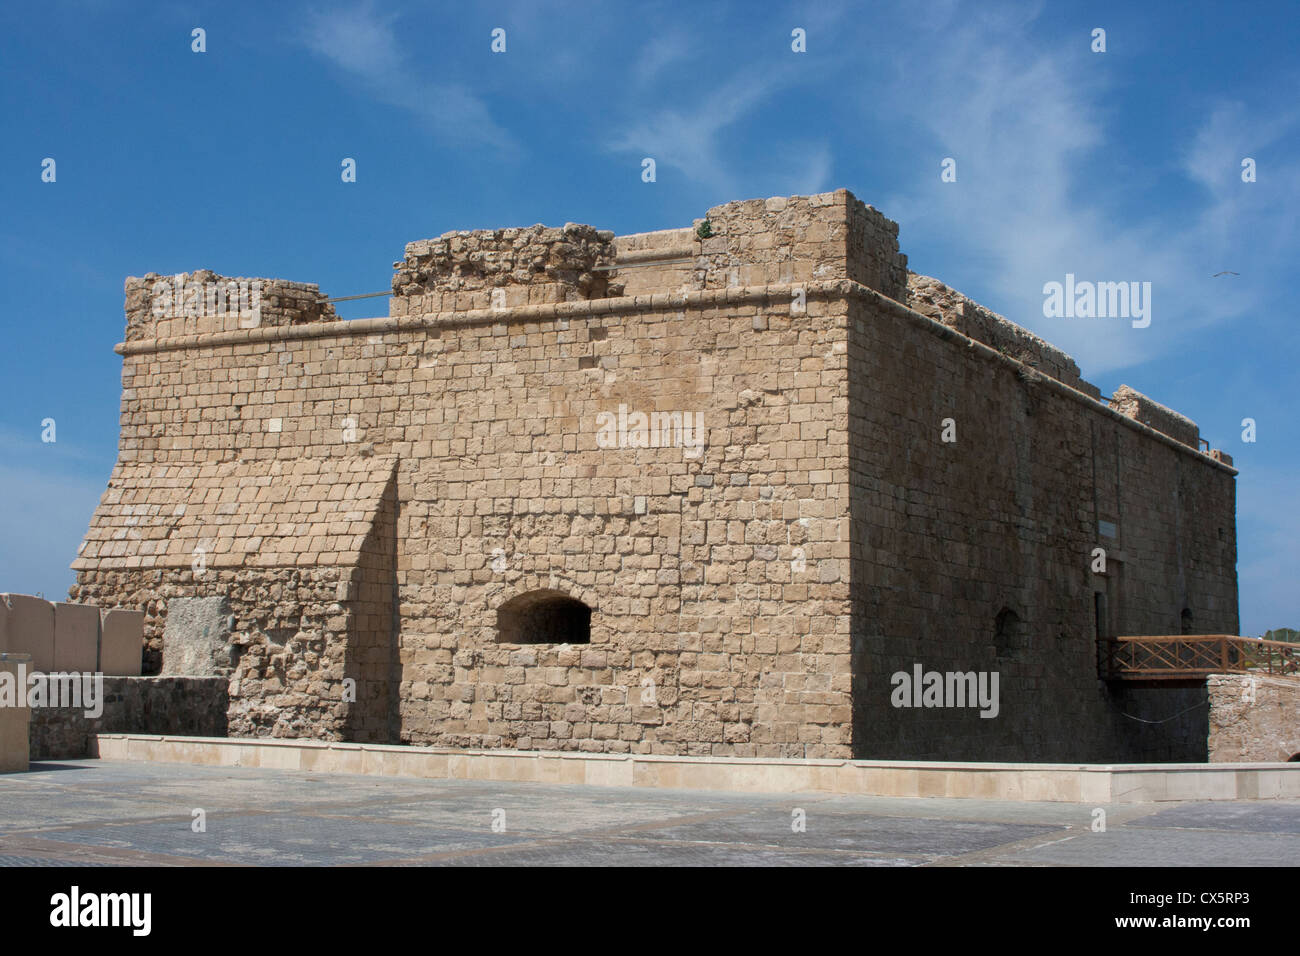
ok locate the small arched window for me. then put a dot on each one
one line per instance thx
(1008, 634)
(543, 617)
(1185, 620)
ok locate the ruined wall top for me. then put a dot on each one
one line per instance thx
(1130, 402)
(783, 240)
(946, 305)
(202, 302)
(753, 242)
(801, 238)
(524, 266)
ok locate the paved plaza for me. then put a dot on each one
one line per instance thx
(113, 813)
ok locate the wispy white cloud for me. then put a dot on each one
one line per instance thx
(661, 52)
(363, 43)
(814, 165)
(693, 139)
(1213, 160)
(356, 38)
(687, 139)
(1029, 132)
(1033, 129)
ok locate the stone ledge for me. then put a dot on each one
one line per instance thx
(634, 257)
(660, 302)
(1069, 783)
(132, 705)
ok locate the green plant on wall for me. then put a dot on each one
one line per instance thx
(704, 230)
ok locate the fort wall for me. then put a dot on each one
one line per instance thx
(1253, 718)
(704, 640)
(726, 446)
(978, 554)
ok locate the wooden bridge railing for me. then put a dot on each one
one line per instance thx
(1191, 656)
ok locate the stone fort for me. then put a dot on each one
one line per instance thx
(699, 491)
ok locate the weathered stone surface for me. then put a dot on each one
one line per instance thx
(1135, 405)
(181, 706)
(121, 642)
(462, 270)
(751, 592)
(299, 634)
(660, 261)
(802, 239)
(1253, 718)
(236, 514)
(29, 629)
(196, 640)
(154, 310)
(932, 298)
(76, 637)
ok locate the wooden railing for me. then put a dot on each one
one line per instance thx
(1192, 656)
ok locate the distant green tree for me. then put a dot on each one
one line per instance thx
(1289, 634)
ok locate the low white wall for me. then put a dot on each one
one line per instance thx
(1091, 784)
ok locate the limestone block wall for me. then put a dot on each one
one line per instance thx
(950, 535)
(661, 261)
(746, 488)
(703, 638)
(293, 548)
(202, 302)
(460, 270)
(683, 553)
(1253, 718)
(289, 651)
(184, 706)
(799, 239)
(933, 299)
(1135, 405)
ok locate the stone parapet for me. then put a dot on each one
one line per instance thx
(794, 239)
(27, 627)
(203, 303)
(1131, 402)
(192, 706)
(503, 268)
(933, 299)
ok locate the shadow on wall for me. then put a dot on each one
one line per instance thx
(372, 661)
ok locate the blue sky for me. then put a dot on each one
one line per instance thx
(1120, 166)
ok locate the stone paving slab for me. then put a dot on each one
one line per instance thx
(286, 839)
(101, 812)
(648, 853)
(1257, 818)
(1158, 846)
(926, 839)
